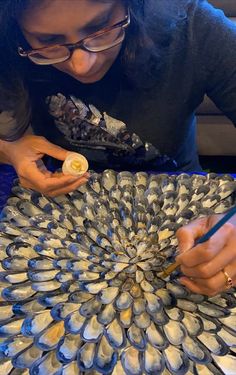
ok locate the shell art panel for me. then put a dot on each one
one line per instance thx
(81, 286)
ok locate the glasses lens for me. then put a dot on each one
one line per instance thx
(51, 55)
(106, 40)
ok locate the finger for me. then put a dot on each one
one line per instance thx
(50, 149)
(186, 235)
(46, 173)
(206, 251)
(86, 175)
(213, 285)
(55, 192)
(193, 286)
(202, 288)
(68, 189)
(73, 180)
(41, 166)
(33, 171)
(208, 269)
(60, 174)
(25, 183)
(36, 180)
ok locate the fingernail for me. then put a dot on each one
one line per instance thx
(86, 175)
(183, 279)
(83, 181)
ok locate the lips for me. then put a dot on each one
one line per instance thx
(90, 76)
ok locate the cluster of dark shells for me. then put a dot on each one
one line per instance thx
(81, 280)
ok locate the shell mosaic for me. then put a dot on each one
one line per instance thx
(81, 287)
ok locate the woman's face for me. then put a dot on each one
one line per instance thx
(68, 21)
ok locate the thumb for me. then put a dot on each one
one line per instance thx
(53, 150)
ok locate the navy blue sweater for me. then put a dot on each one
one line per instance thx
(200, 59)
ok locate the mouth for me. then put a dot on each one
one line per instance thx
(92, 75)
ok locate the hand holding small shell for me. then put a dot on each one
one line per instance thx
(80, 284)
(75, 164)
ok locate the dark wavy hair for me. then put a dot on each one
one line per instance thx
(146, 43)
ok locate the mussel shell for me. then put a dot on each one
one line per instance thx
(47, 364)
(176, 361)
(67, 348)
(132, 361)
(85, 356)
(105, 357)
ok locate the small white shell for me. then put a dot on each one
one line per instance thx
(75, 164)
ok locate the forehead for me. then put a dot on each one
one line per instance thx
(55, 15)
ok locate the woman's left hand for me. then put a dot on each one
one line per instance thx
(209, 268)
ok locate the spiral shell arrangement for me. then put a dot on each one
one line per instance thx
(81, 287)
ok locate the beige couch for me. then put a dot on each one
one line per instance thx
(216, 135)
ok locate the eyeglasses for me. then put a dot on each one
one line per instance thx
(99, 41)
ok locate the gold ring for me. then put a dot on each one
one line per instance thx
(228, 280)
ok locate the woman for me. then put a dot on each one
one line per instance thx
(119, 81)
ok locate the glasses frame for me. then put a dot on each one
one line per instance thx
(80, 44)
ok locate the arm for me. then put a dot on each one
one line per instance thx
(3, 152)
(214, 51)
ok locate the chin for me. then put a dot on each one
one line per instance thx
(86, 78)
(90, 78)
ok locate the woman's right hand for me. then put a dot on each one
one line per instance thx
(26, 154)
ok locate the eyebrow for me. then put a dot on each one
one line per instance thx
(103, 17)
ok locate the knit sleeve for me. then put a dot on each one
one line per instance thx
(15, 117)
(214, 49)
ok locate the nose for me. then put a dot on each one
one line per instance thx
(82, 61)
